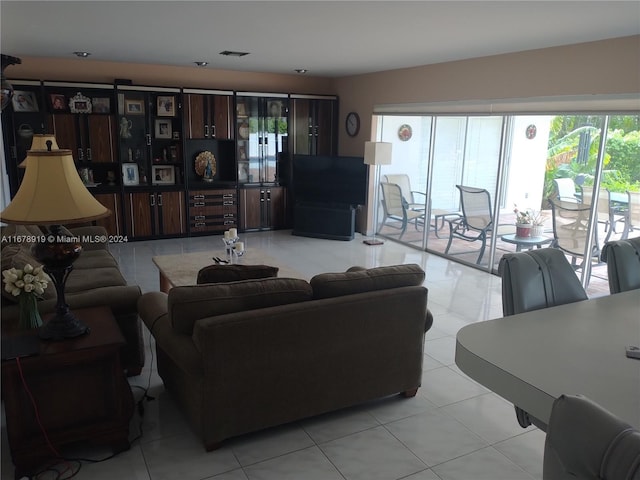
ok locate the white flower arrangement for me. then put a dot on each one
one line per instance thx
(528, 217)
(31, 280)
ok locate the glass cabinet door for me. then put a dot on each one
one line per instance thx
(261, 137)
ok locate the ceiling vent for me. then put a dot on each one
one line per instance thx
(230, 53)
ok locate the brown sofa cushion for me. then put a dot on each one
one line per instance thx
(234, 273)
(326, 285)
(188, 304)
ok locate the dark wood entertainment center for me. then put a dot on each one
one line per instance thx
(136, 149)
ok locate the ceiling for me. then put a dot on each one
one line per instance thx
(328, 38)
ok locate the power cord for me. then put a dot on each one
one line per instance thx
(68, 466)
(68, 472)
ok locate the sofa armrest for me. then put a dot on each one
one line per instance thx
(153, 310)
(152, 307)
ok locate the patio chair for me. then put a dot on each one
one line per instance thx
(476, 222)
(606, 211)
(417, 201)
(570, 226)
(396, 209)
(534, 280)
(632, 214)
(566, 190)
(410, 196)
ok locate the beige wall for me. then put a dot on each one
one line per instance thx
(605, 67)
(85, 70)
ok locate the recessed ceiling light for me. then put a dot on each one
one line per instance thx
(301, 70)
(81, 54)
(201, 64)
(231, 53)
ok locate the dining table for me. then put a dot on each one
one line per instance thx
(532, 358)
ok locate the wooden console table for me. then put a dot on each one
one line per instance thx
(80, 391)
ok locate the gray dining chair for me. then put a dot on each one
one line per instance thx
(585, 441)
(623, 264)
(534, 280)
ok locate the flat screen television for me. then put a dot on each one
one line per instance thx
(329, 180)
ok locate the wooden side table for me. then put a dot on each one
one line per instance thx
(80, 390)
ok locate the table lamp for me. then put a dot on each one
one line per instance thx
(39, 142)
(376, 154)
(52, 193)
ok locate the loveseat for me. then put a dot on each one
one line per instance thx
(94, 281)
(243, 356)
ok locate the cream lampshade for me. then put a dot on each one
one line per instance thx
(39, 142)
(376, 154)
(52, 193)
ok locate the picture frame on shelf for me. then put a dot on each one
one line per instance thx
(134, 107)
(130, 175)
(163, 175)
(173, 153)
(80, 104)
(101, 105)
(24, 101)
(163, 128)
(58, 102)
(166, 106)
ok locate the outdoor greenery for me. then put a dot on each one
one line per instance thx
(573, 150)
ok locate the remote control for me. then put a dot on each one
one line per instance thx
(633, 352)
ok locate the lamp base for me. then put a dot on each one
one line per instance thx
(63, 326)
(373, 242)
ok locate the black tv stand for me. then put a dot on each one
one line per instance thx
(324, 220)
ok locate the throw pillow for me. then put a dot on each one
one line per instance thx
(234, 273)
(326, 285)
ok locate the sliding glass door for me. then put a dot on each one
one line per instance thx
(519, 162)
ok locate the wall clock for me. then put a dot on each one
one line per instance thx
(352, 124)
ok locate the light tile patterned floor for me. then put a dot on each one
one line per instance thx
(454, 429)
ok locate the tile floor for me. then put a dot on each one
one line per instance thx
(454, 429)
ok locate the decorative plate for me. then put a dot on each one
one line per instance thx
(405, 132)
(205, 165)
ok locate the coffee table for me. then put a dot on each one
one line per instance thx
(182, 269)
(79, 389)
(525, 242)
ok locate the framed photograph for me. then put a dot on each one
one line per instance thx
(173, 153)
(101, 105)
(134, 107)
(80, 104)
(163, 128)
(58, 102)
(275, 109)
(166, 106)
(24, 101)
(130, 174)
(163, 175)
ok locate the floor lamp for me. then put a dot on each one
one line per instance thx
(52, 193)
(376, 154)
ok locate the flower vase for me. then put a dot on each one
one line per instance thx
(29, 314)
(537, 230)
(523, 230)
